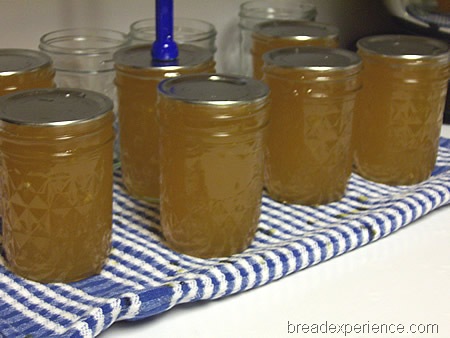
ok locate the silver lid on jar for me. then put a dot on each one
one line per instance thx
(139, 57)
(404, 47)
(313, 58)
(53, 107)
(296, 30)
(214, 89)
(17, 61)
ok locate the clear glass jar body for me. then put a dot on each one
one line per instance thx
(308, 152)
(83, 58)
(399, 116)
(269, 36)
(212, 164)
(22, 69)
(56, 187)
(257, 11)
(139, 142)
(195, 32)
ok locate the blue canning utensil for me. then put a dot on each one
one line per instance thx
(164, 48)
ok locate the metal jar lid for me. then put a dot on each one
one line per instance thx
(295, 30)
(139, 57)
(53, 107)
(18, 61)
(214, 89)
(404, 47)
(313, 58)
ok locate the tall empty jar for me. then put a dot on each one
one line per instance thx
(212, 137)
(313, 92)
(137, 78)
(56, 149)
(255, 12)
(400, 109)
(83, 58)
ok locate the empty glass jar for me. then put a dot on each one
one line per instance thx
(83, 58)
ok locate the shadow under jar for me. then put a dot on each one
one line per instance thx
(308, 152)
(399, 111)
(137, 78)
(56, 150)
(212, 136)
(22, 69)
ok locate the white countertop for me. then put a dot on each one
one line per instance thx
(402, 279)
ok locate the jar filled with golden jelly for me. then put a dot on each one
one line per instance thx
(400, 108)
(289, 33)
(137, 78)
(22, 69)
(308, 149)
(212, 138)
(56, 149)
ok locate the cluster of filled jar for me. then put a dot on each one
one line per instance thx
(301, 116)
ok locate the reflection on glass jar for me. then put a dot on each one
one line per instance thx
(56, 182)
(137, 78)
(399, 111)
(212, 135)
(278, 34)
(255, 12)
(22, 69)
(308, 154)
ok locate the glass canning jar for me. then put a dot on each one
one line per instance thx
(137, 78)
(22, 69)
(56, 148)
(308, 152)
(212, 131)
(400, 108)
(254, 12)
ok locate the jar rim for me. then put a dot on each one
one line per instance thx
(53, 107)
(214, 89)
(406, 47)
(54, 42)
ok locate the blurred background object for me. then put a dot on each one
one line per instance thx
(423, 17)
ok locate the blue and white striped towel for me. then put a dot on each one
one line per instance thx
(143, 278)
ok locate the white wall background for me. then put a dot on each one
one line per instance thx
(22, 22)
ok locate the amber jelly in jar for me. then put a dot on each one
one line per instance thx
(137, 78)
(212, 137)
(56, 149)
(308, 153)
(289, 33)
(400, 109)
(22, 69)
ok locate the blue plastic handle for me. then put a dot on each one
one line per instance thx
(164, 48)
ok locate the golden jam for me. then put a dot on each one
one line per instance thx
(308, 153)
(212, 137)
(22, 69)
(56, 182)
(285, 33)
(137, 78)
(399, 111)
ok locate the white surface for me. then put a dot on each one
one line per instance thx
(402, 279)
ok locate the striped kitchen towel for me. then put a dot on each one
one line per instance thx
(142, 277)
